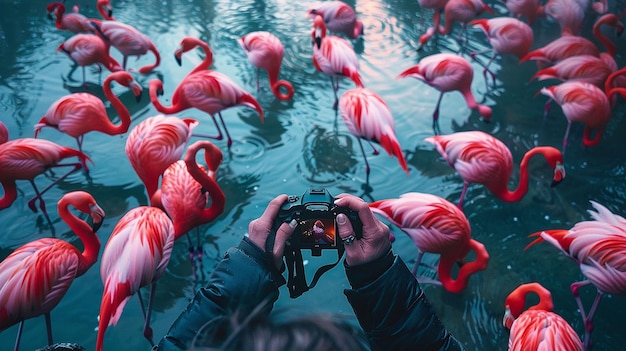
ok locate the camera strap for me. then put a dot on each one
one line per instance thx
(296, 281)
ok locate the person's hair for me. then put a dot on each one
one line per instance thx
(281, 332)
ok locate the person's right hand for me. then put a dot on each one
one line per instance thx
(375, 241)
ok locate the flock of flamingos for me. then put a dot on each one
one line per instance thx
(35, 277)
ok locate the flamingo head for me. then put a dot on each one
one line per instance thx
(156, 86)
(58, 6)
(107, 9)
(554, 157)
(515, 303)
(485, 112)
(319, 30)
(127, 80)
(85, 203)
(187, 44)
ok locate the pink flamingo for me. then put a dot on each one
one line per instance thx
(437, 226)
(154, 144)
(581, 102)
(186, 189)
(480, 158)
(530, 9)
(73, 22)
(129, 41)
(437, 6)
(447, 72)
(265, 51)
(462, 11)
(105, 9)
(25, 159)
(368, 117)
(89, 49)
(573, 45)
(570, 14)
(80, 113)
(209, 91)
(334, 56)
(339, 17)
(584, 68)
(506, 35)
(598, 247)
(35, 277)
(538, 327)
(136, 255)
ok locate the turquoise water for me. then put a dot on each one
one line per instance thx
(304, 142)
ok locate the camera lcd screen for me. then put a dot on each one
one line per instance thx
(317, 232)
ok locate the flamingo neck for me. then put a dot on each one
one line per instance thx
(588, 140)
(156, 88)
(611, 49)
(208, 183)
(84, 231)
(522, 187)
(516, 300)
(119, 107)
(148, 68)
(446, 263)
(208, 58)
(60, 11)
(10, 194)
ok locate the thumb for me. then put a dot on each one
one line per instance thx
(344, 226)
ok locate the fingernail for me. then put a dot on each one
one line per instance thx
(341, 218)
(293, 223)
(337, 201)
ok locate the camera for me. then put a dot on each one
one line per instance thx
(316, 213)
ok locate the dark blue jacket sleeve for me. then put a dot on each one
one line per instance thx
(243, 280)
(393, 310)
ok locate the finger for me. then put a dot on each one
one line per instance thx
(357, 204)
(271, 212)
(282, 234)
(259, 229)
(344, 226)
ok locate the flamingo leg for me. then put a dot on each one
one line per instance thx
(42, 205)
(147, 330)
(589, 320)
(335, 84)
(485, 65)
(230, 141)
(436, 128)
(375, 150)
(19, 336)
(465, 186)
(367, 166)
(569, 125)
(418, 260)
(258, 72)
(219, 135)
(546, 108)
(49, 328)
(124, 60)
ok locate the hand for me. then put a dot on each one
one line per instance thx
(375, 241)
(260, 228)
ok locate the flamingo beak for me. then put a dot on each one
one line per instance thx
(559, 174)
(97, 215)
(137, 90)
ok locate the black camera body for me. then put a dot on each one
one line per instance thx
(315, 214)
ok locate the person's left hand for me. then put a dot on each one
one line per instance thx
(260, 228)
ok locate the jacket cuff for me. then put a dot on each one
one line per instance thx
(363, 274)
(263, 259)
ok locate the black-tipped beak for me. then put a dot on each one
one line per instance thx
(138, 97)
(555, 183)
(97, 223)
(318, 42)
(178, 59)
